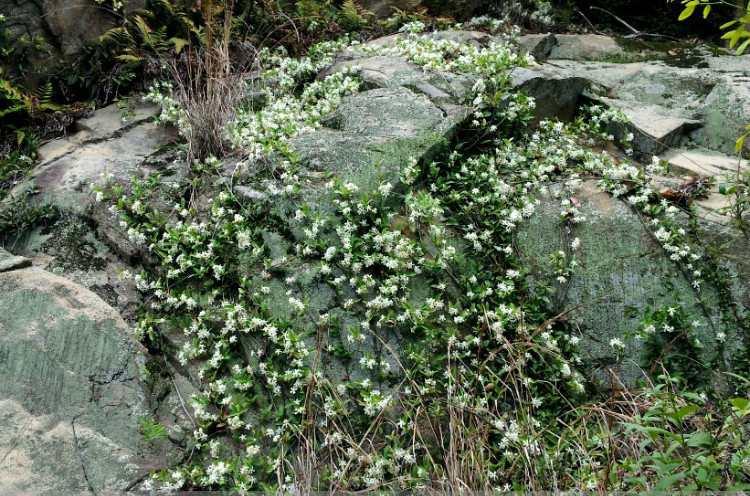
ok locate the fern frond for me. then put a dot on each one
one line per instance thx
(117, 36)
(44, 94)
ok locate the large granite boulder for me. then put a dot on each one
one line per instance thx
(585, 47)
(84, 244)
(70, 395)
(622, 273)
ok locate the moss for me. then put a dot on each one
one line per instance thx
(73, 244)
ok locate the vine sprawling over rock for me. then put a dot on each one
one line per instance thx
(432, 261)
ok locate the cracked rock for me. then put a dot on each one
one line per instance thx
(70, 400)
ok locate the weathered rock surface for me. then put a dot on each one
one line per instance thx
(459, 9)
(9, 262)
(622, 273)
(112, 142)
(584, 47)
(669, 105)
(70, 398)
(539, 45)
(85, 245)
(387, 126)
(386, 8)
(557, 95)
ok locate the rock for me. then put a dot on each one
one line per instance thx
(70, 247)
(64, 27)
(74, 23)
(653, 131)
(557, 94)
(539, 46)
(390, 72)
(585, 47)
(250, 194)
(70, 400)
(375, 133)
(704, 163)
(174, 408)
(458, 9)
(622, 272)
(106, 145)
(462, 37)
(557, 91)
(729, 246)
(668, 103)
(385, 8)
(730, 63)
(726, 111)
(10, 262)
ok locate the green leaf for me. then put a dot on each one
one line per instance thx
(700, 439)
(729, 24)
(129, 58)
(687, 12)
(741, 404)
(152, 430)
(20, 136)
(179, 44)
(669, 481)
(733, 37)
(741, 49)
(706, 11)
(684, 412)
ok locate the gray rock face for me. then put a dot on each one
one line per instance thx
(622, 272)
(65, 25)
(70, 399)
(584, 47)
(110, 142)
(726, 110)
(386, 8)
(459, 9)
(557, 95)
(667, 105)
(10, 262)
(540, 45)
(85, 245)
(557, 92)
(59, 27)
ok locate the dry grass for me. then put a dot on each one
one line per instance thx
(209, 83)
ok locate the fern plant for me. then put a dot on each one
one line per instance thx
(150, 33)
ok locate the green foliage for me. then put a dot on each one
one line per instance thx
(19, 215)
(686, 443)
(735, 31)
(671, 341)
(737, 188)
(135, 52)
(152, 430)
(485, 375)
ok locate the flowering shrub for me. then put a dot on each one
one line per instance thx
(389, 338)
